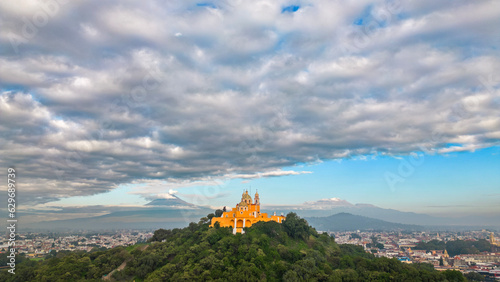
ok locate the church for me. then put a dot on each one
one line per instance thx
(244, 214)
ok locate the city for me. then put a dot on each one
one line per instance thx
(39, 245)
(369, 130)
(402, 245)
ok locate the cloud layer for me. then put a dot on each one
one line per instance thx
(94, 95)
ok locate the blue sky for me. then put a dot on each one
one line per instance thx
(456, 184)
(119, 103)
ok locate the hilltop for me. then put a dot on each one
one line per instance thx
(268, 251)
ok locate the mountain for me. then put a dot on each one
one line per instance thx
(145, 218)
(167, 212)
(327, 203)
(327, 207)
(350, 222)
(172, 212)
(321, 210)
(171, 201)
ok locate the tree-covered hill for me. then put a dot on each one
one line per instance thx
(457, 247)
(268, 251)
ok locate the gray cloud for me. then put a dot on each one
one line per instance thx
(94, 95)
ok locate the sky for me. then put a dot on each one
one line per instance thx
(390, 103)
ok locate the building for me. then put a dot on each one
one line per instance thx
(244, 214)
(493, 241)
(481, 258)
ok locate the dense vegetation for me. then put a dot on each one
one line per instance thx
(456, 247)
(68, 266)
(268, 251)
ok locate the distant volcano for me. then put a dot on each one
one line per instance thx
(166, 212)
(170, 201)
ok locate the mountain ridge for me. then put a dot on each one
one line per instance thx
(173, 212)
(171, 201)
(349, 222)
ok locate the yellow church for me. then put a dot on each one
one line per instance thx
(244, 214)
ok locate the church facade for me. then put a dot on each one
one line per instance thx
(244, 214)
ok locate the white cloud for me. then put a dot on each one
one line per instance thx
(327, 204)
(171, 94)
(268, 174)
(165, 196)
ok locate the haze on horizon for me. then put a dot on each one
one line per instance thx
(115, 103)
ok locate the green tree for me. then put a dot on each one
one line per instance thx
(453, 275)
(295, 226)
(218, 213)
(474, 276)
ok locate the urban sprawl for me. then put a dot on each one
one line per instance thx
(403, 246)
(400, 245)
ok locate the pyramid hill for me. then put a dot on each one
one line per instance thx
(267, 251)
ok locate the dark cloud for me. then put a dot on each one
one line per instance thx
(94, 95)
